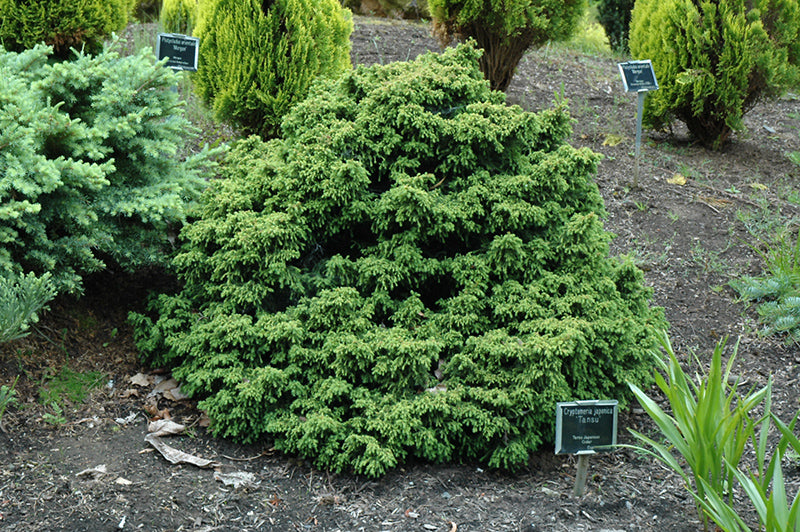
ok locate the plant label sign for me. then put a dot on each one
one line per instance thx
(181, 51)
(583, 426)
(638, 76)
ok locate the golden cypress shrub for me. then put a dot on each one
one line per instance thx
(179, 16)
(259, 58)
(715, 60)
(62, 24)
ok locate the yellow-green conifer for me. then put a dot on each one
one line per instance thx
(62, 24)
(715, 60)
(259, 58)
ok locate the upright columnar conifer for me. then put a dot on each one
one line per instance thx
(258, 58)
(715, 60)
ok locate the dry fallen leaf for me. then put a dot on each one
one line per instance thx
(677, 179)
(140, 379)
(613, 139)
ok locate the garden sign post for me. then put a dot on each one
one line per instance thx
(181, 51)
(639, 77)
(583, 428)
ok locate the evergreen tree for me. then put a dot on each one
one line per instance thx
(715, 60)
(504, 29)
(62, 24)
(257, 59)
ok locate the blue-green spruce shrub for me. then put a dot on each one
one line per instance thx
(91, 164)
(414, 270)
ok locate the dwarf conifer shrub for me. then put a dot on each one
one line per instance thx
(178, 16)
(89, 163)
(257, 59)
(62, 24)
(715, 60)
(416, 269)
(504, 29)
(615, 17)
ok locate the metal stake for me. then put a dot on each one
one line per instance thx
(639, 112)
(582, 474)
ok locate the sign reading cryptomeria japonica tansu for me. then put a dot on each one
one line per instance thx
(585, 426)
(181, 51)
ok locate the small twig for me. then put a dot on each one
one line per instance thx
(256, 457)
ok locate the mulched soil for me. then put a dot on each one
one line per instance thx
(690, 239)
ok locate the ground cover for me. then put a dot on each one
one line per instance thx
(689, 225)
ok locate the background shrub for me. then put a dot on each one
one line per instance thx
(408, 9)
(89, 163)
(415, 269)
(504, 29)
(178, 16)
(258, 59)
(615, 17)
(715, 60)
(62, 24)
(147, 10)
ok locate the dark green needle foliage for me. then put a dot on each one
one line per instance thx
(715, 60)
(62, 24)
(258, 58)
(415, 269)
(615, 17)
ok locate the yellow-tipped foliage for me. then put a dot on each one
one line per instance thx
(258, 59)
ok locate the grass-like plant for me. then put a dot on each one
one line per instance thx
(7, 398)
(778, 290)
(766, 487)
(709, 426)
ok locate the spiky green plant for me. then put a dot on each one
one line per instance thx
(21, 300)
(709, 426)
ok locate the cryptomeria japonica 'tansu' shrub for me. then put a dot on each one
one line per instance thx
(415, 269)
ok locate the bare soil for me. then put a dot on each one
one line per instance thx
(689, 235)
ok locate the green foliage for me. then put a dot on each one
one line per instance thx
(710, 424)
(62, 24)
(615, 17)
(147, 10)
(407, 9)
(90, 163)
(69, 386)
(765, 487)
(505, 29)
(21, 299)
(415, 269)
(722, 58)
(7, 398)
(178, 16)
(778, 291)
(257, 59)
